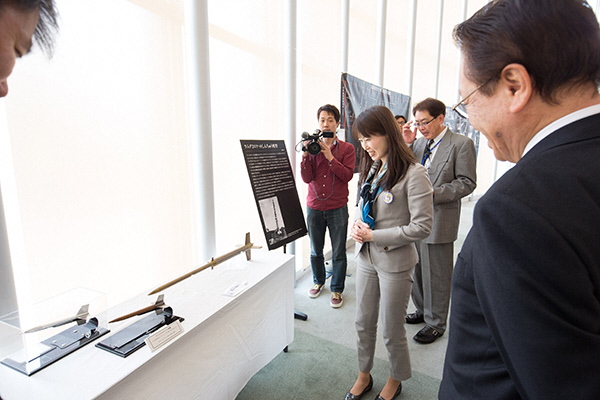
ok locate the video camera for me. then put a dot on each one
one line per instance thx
(314, 147)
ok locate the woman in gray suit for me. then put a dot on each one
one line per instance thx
(395, 211)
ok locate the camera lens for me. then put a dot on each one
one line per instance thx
(313, 148)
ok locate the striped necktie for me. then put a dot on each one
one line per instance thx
(427, 151)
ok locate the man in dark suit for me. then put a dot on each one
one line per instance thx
(525, 319)
(450, 160)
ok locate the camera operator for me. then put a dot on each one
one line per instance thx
(327, 174)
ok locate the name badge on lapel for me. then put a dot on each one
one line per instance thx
(388, 197)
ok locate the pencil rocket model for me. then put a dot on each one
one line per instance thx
(158, 305)
(80, 318)
(212, 263)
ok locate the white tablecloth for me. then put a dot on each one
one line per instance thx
(225, 342)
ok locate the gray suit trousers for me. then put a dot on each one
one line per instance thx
(433, 281)
(389, 291)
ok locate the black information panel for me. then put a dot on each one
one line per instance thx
(274, 191)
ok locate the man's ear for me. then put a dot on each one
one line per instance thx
(518, 86)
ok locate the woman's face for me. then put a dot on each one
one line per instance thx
(16, 30)
(376, 146)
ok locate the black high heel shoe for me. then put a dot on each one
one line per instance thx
(350, 396)
(398, 391)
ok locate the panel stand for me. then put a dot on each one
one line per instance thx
(297, 314)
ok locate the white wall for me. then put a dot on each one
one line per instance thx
(100, 149)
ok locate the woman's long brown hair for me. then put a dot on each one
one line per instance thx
(379, 121)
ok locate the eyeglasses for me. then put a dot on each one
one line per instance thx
(462, 112)
(419, 124)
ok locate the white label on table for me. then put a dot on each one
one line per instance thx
(236, 289)
(164, 335)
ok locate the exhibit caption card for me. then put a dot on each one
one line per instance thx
(164, 335)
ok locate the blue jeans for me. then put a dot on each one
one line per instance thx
(337, 222)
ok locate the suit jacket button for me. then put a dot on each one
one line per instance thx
(386, 248)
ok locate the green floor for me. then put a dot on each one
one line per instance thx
(314, 368)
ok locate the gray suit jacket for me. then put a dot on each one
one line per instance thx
(403, 215)
(453, 176)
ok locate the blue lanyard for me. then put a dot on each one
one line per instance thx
(428, 152)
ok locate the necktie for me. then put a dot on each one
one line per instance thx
(427, 151)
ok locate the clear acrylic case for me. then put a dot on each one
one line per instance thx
(34, 337)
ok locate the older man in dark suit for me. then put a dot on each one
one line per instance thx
(525, 320)
(450, 160)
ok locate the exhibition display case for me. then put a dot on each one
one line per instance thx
(36, 336)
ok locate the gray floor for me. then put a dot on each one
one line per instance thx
(337, 325)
